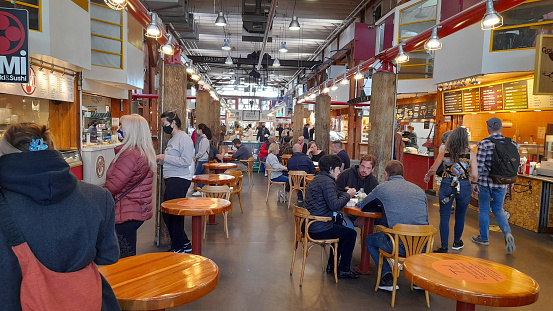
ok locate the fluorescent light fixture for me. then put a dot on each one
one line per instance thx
(228, 61)
(401, 57)
(491, 19)
(220, 21)
(276, 63)
(167, 48)
(116, 4)
(226, 45)
(283, 48)
(345, 80)
(359, 74)
(152, 30)
(294, 24)
(433, 43)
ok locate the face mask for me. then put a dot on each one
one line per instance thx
(167, 129)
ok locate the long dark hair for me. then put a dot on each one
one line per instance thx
(205, 130)
(457, 143)
(172, 116)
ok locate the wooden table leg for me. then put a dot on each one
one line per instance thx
(364, 266)
(463, 306)
(197, 235)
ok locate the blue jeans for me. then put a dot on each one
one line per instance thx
(484, 200)
(282, 178)
(461, 203)
(200, 170)
(381, 241)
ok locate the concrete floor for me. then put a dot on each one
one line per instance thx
(254, 263)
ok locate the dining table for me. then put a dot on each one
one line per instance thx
(156, 281)
(216, 166)
(368, 228)
(471, 281)
(196, 207)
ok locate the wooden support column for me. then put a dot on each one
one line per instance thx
(207, 112)
(298, 123)
(381, 132)
(322, 122)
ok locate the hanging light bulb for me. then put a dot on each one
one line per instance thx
(276, 63)
(116, 4)
(491, 19)
(226, 45)
(167, 48)
(228, 61)
(152, 30)
(220, 21)
(433, 43)
(345, 80)
(359, 74)
(401, 56)
(294, 24)
(283, 48)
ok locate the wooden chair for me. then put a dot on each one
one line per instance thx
(236, 189)
(297, 183)
(414, 239)
(260, 164)
(221, 192)
(303, 220)
(270, 183)
(249, 169)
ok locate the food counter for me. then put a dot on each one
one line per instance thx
(96, 160)
(73, 158)
(415, 166)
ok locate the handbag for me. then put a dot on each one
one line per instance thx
(117, 199)
(43, 289)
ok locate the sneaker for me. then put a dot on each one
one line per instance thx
(478, 240)
(441, 250)
(186, 249)
(265, 174)
(279, 195)
(285, 197)
(416, 287)
(387, 283)
(510, 243)
(197, 194)
(457, 245)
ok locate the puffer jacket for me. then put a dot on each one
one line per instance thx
(122, 175)
(322, 198)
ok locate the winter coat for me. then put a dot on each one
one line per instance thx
(301, 162)
(128, 170)
(322, 198)
(67, 223)
(350, 178)
(263, 151)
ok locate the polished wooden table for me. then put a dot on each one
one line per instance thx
(284, 158)
(309, 178)
(471, 281)
(368, 228)
(157, 281)
(214, 180)
(219, 166)
(196, 207)
(227, 159)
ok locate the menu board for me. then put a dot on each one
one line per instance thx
(538, 101)
(422, 110)
(491, 98)
(427, 110)
(453, 102)
(515, 95)
(471, 100)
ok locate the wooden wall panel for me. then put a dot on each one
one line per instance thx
(65, 122)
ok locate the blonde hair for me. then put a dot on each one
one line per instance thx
(274, 148)
(137, 135)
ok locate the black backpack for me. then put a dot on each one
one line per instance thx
(505, 161)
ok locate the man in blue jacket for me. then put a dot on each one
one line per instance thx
(299, 161)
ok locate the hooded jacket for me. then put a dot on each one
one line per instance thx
(129, 169)
(67, 223)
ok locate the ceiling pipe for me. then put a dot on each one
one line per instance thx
(272, 12)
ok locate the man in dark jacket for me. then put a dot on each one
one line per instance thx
(280, 129)
(322, 198)
(262, 133)
(336, 148)
(306, 131)
(299, 161)
(359, 176)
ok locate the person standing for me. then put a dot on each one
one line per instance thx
(312, 133)
(491, 194)
(459, 164)
(410, 139)
(306, 131)
(129, 179)
(280, 129)
(201, 152)
(336, 148)
(176, 163)
(93, 130)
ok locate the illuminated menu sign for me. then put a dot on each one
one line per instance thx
(491, 98)
(515, 95)
(422, 110)
(453, 102)
(471, 100)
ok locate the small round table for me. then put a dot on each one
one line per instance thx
(196, 207)
(471, 281)
(157, 281)
(219, 166)
(284, 158)
(227, 159)
(213, 180)
(368, 228)
(309, 178)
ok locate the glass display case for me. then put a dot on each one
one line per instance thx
(71, 156)
(532, 152)
(548, 148)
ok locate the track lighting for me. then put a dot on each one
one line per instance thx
(433, 43)
(491, 19)
(231, 71)
(220, 21)
(190, 70)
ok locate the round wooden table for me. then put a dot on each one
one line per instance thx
(213, 179)
(219, 166)
(471, 281)
(368, 228)
(309, 178)
(284, 158)
(227, 159)
(196, 207)
(157, 281)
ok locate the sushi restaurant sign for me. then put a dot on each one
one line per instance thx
(14, 46)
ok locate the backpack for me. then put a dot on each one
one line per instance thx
(505, 161)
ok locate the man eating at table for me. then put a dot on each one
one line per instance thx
(299, 161)
(243, 152)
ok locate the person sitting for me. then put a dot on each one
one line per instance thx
(273, 163)
(336, 148)
(285, 147)
(214, 154)
(243, 152)
(314, 153)
(301, 142)
(299, 161)
(263, 150)
(322, 198)
(400, 202)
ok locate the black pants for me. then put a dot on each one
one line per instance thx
(346, 244)
(126, 235)
(176, 188)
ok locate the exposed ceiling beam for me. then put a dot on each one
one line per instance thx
(247, 61)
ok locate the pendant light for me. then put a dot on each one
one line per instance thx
(401, 57)
(491, 19)
(231, 71)
(167, 48)
(294, 24)
(433, 43)
(345, 80)
(195, 77)
(226, 45)
(359, 74)
(221, 20)
(334, 87)
(116, 4)
(190, 70)
(326, 89)
(283, 48)
(228, 61)
(152, 30)
(276, 63)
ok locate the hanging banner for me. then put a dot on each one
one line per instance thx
(543, 70)
(14, 46)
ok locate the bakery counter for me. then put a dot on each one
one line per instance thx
(415, 166)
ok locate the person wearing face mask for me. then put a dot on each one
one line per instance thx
(176, 163)
(201, 154)
(322, 198)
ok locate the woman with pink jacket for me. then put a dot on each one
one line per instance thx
(129, 179)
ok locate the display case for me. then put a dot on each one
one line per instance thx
(365, 131)
(532, 152)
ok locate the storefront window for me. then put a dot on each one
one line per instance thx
(33, 6)
(106, 35)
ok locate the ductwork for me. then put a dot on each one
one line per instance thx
(254, 20)
(175, 12)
